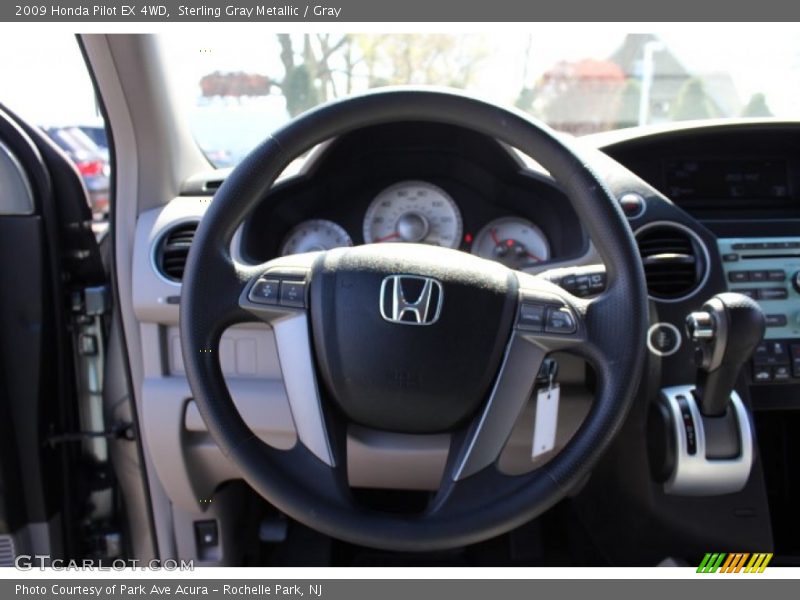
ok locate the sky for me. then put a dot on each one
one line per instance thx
(47, 82)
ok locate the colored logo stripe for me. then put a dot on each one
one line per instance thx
(758, 563)
(711, 562)
(735, 562)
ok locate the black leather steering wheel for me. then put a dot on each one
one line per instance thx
(355, 348)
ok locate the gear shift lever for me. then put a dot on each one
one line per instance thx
(701, 439)
(726, 331)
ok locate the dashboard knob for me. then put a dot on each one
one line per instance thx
(796, 281)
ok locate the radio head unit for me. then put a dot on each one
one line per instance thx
(767, 270)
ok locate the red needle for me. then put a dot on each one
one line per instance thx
(533, 256)
(495, 239)
(386, 238)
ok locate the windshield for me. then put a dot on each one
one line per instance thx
(581, 80)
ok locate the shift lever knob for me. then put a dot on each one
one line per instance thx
(726, 332)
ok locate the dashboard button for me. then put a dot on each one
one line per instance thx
(758, 275)
(531, 316)
(761, 355)
(293, 293)
(597, 282)
(776, 320)
(663, 339)
(776, 275)
(778, 352)
(633, 205)
(732, 257)
(794, 351)
(773, 294)
(781, 373)
(762, 374)
(749, 292)
(582, 285)
(738, 276)
(771, 353)
(560, 320)
(568, 282)
(265, 291)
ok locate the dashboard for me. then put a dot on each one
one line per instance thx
(743, 184)
(712, 207)
(419, 183)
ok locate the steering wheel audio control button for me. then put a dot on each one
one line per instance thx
(560, 320)
(293, 294)
(531, 317)
(265, 291)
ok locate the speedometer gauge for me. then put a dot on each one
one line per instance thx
(415, 212)
(515, 242)
(313, 235)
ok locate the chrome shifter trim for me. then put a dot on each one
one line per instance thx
(694, 474)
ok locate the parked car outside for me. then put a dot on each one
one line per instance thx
(91, 160)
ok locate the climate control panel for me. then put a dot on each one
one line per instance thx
(767, 270)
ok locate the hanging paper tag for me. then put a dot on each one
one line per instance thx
(546, 424)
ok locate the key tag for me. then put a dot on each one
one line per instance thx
(546, 420)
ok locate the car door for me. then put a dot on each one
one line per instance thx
(53, 302)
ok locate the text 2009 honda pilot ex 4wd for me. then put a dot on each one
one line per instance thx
(548, 314)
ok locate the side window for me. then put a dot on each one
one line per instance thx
(49, 86)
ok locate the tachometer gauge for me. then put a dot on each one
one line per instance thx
(416, 212)
(313, 235)
(515, 242)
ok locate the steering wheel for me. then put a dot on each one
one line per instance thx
(411, 338)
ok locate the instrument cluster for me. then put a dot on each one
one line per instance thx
(416, 211)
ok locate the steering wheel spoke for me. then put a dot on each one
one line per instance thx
(546, 321)
(278, 295)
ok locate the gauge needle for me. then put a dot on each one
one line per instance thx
(533, 256)
(495, 239)
(386, 238)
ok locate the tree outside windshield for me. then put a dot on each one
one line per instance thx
(237, 90)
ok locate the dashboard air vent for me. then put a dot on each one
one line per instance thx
(674, 261)
(173, 249)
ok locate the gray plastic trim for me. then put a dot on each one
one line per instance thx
(293, 339)
(379, 459)
(151, 291)
(293, 342)
(16, 195)
(188, 462)
(509, 396)
(694, 474)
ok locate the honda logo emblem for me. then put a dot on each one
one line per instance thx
(411, 299)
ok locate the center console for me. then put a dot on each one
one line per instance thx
(768, 271)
